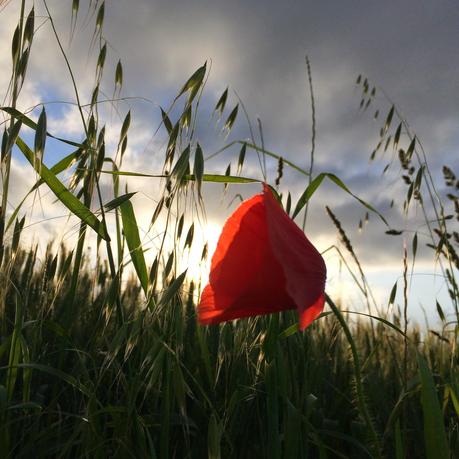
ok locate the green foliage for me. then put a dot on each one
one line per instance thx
(131, 233)
(434, 431)
(256, 387)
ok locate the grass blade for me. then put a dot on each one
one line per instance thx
(434, 428)
(217, 178)
(312, 187)
(60, 166)
(131, 233)
(31, 124)
(62, 193)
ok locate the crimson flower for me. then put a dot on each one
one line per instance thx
(263, 264)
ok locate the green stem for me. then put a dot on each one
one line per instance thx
(313, 137)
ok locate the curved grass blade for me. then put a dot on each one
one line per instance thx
(312, 187)
(294, 328)
(340, 183)
(33, 125)
(260, 150)
(306, 196)
(60, 166)
(62, 193)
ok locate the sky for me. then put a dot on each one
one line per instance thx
(407, 50)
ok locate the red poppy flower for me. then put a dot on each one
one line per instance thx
(263, 264)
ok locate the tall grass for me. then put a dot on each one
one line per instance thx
(97, 360)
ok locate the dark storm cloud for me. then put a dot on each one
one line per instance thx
(258, 48)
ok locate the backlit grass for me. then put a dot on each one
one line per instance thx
(101, 355)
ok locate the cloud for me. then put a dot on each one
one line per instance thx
(258, 49)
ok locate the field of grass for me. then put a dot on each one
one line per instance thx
(104, 357)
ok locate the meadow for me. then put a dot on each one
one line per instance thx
(103, 356)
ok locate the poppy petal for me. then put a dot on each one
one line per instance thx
(303, 266)
(263, 263)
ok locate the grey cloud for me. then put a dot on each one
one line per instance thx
(407, 48)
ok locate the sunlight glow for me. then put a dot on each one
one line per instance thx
(198, 270)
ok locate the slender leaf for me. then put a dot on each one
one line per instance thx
(31, 124)
(62, 193)
(131, 233)
(310, 190)
(312, 187)
(216, 178)
(60, 166)
(434, 428)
